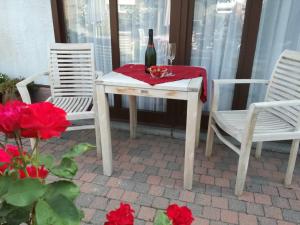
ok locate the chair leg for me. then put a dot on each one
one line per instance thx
(98, 139)
(242, 168)
(258, 149)
(292, 162)
(210, 138)
(32, 143)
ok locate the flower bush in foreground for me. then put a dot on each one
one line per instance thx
(25, 195)
(174, 215)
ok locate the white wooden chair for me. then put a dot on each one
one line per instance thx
(72, 82)
(277, 118)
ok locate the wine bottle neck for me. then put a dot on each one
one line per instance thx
(150, 41)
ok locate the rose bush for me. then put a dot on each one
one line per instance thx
(25, 195)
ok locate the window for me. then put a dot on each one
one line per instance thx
(216, 39)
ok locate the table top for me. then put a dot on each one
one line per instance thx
(120, 80)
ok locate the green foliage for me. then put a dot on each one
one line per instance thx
(36, 203)
(66, 169)
(162, 219)
(3, 78)
(24, 192)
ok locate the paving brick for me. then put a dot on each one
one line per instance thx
(207, 179)
(115, 193)
(112, 205)
(100, 179)
(273, 212)
(153, 179)
(145, 200)
(200, 221)
(236, 205)
(88, 214)
(280, 202)
(88, 177)
(266, 221)
(247, 196)
(295, 204)
(127, 185)
(222, 182)
(219, 202)
(151, 170)
(130, 196)
(203, 199)
(286, 193)
(195, 208)
(84, 200)
(156, 190)
(291, 216)
(280, 222)
(98, 218)
(211, 213)
(146, 213)
(229, 216)
(167, 182)
(113, 182)
(141, 188)
(255, 209)
(160, 203)
(186, 196)
(262, 199)
(99, 203)
(245, 219)
(270, 190)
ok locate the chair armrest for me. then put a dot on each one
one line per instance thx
(22, 86)
(260, 106)
(240, 81)
(217, 83)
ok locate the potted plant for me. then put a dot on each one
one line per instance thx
(25, 196)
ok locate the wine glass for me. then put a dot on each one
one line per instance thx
(171, 52)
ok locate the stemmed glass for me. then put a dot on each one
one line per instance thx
(171, 52)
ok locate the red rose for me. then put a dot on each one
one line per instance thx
(5, 159)
(10, 115)
(43, 120)
(12, 150)
(179, 215)
(34, 172)
(121, 216)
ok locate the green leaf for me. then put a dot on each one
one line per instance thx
(65, 210)
(63, 187)
(162, 219)
(44, 215)
(6, 209)
(47, 160)
(24, 192)
(18, 216)
(77, 150)
(66, 169)
(5, 181)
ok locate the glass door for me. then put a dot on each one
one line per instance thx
(216, 39)
(278, 30)
(135, 18)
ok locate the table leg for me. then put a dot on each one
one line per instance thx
(190, 137)
(133, 115)
(104, 120)
(198, 123)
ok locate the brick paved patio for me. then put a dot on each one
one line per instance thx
(148, 174)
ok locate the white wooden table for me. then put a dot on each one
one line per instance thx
(116, 83)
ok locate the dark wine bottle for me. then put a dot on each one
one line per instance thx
(150, 55)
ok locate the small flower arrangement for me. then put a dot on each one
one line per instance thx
(174, 215)
(24, 194)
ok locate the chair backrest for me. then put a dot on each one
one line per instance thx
(285, 85)
(71, 70)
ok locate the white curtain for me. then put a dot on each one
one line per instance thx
(88, 21)
(279, 30)
(217, 30)
(135, 18)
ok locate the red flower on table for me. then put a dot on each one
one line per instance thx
(43, 120)
(121, 216)
(34, 172)
(10, 115)
(179, 215)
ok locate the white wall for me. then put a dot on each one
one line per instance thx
(26, 30)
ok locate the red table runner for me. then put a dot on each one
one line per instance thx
(137, 71)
